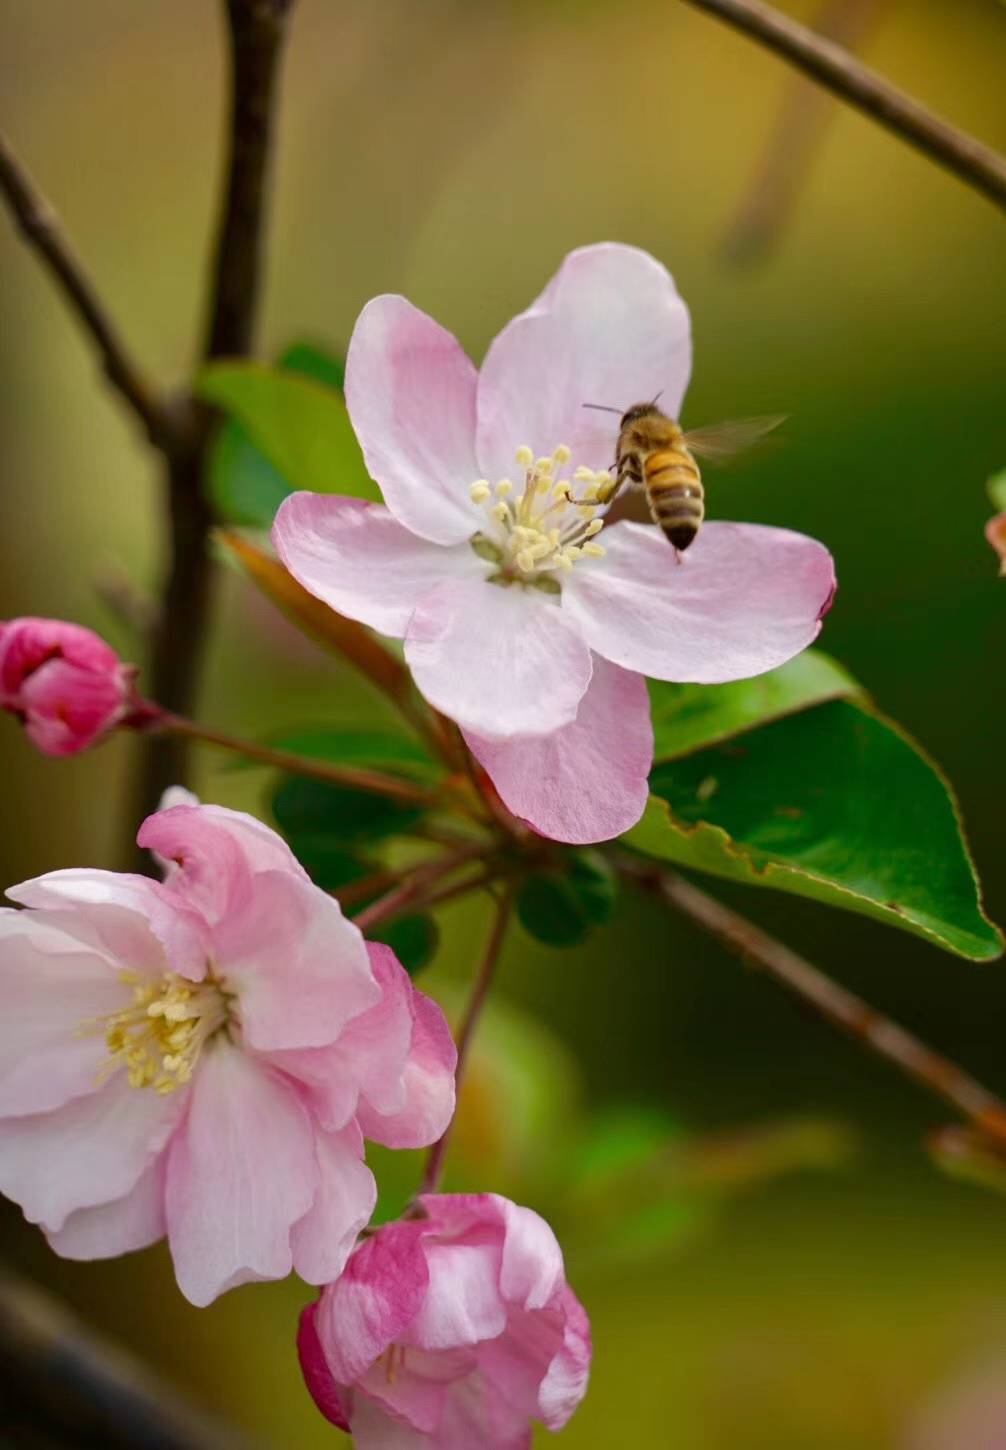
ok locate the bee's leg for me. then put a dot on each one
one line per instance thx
(677, 555)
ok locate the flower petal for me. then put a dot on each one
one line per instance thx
(298, 967)
(314, 1367)
(566, 1382)
(323, 1239)
(241, 1173)
(428, 1079)
(463, 1304)
(102, 1143)
(110, 1229)
(374, 1300)
(588, 781)
(609, 328)
(132, 919)
(410, 391)
(361, 561)
(500, 661)
(49, 988)
(208, 854)
(743, 600)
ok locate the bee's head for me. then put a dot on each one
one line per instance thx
(637, 411)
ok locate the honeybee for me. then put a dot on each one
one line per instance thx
(655, 454)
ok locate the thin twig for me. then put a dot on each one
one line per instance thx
(405, 894)
(842, 1008)
(64, 1384)
(466, 1031)
(39, 225)
(833, 67)
(356, 777)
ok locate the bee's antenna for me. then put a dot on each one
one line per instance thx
(658, 397)
(601, 407)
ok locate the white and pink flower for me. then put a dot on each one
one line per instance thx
(449, 1331)
(526, 618)
(67, 686)
(202, 1058)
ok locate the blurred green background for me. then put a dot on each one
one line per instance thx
(802, 1277)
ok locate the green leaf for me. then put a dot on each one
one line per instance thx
(380, 751)
(689, 717)
(300, 426)
(413, 939)
(836, 804)
(244, 486)
(315, 362)
(328, 864)
(313, 810)
(997, 490)
(560, 906)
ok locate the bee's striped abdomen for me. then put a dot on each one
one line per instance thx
(675, 494)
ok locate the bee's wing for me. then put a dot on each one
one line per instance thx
(723, 440)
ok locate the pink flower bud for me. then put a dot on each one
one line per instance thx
(67, 686)
(457, 1328)
(995, 533)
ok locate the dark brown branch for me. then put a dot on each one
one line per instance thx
(831, 66)
(61, 1384)
(466, 1031)
(39, 225)
(256, 29)
(843, 1009)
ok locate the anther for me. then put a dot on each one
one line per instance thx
(480, 491)
(524, 456)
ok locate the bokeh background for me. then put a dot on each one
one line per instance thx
(803, 1277)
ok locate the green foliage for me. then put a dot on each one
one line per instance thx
(997, 490)
(375, 749)
(559, 906)
(413, 939)
(310, 812)
(836, 804)
(688, 717)
(288, 429)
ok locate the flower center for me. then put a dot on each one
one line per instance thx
(535, 537)
(159, 1037)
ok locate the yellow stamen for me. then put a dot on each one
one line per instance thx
(159, 1037)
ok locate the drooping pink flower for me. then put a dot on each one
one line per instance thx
(201, 1058)
(66, 685)
(995, 533)
(449, 1331)
(525, 618)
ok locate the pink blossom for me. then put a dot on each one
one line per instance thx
(525, 617)
(65, 684)
(201, 1058)
(449, 1331)
(995, 533)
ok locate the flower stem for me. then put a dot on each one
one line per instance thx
(354, 776)
(405, 895)
(843, 1009)
(466, 1031)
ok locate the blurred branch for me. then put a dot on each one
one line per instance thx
(39, 225)
(833, 67)
(843, 1009)
(353, 776)
(466, 1031)
(62, 1385)
(785, 166)
(256, 31)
